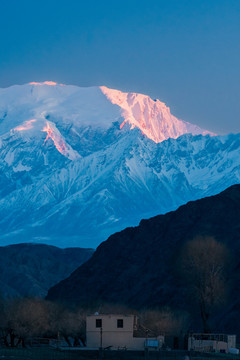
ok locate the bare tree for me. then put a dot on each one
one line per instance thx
(67, 322)
(24, 318)
(204, 263)
(165, 321)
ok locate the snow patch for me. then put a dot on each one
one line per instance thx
(20, 167)
(61, 145)
(51, 83)
(27, 125)
(9, 158)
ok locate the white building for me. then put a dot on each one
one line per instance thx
(211, 342)
(117, 332)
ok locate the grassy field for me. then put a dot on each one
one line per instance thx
(47, 353)
(42, 353)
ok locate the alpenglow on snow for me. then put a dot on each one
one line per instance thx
(78, 164)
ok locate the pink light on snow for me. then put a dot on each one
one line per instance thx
(50, 83)
(122, 124)
(58, 142)
(152, 117)
(63, 147)
(27, 125)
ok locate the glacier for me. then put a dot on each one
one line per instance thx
(78, 164)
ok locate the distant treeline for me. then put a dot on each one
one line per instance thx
(25, 318)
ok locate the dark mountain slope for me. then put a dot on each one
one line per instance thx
(30, 269)
(137, 266)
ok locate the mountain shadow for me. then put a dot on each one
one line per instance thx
(139, 266)
(30, 269)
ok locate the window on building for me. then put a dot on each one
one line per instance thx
(120, 323)
(98, 323)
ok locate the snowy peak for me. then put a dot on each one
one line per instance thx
(93, 107)
(153, 118)
(73, 168)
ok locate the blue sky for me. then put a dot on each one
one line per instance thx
(186, 53)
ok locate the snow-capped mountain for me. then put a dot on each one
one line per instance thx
(78, 164)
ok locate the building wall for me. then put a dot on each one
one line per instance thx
(217, 343)
(231, 341)
(109, 322)
(110, 335)
(208, 345)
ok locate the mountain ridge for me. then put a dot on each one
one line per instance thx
(57, 169)
(153, 118)
(30, 269)
(141, 268)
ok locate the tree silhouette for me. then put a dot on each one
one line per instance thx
(204, 263)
